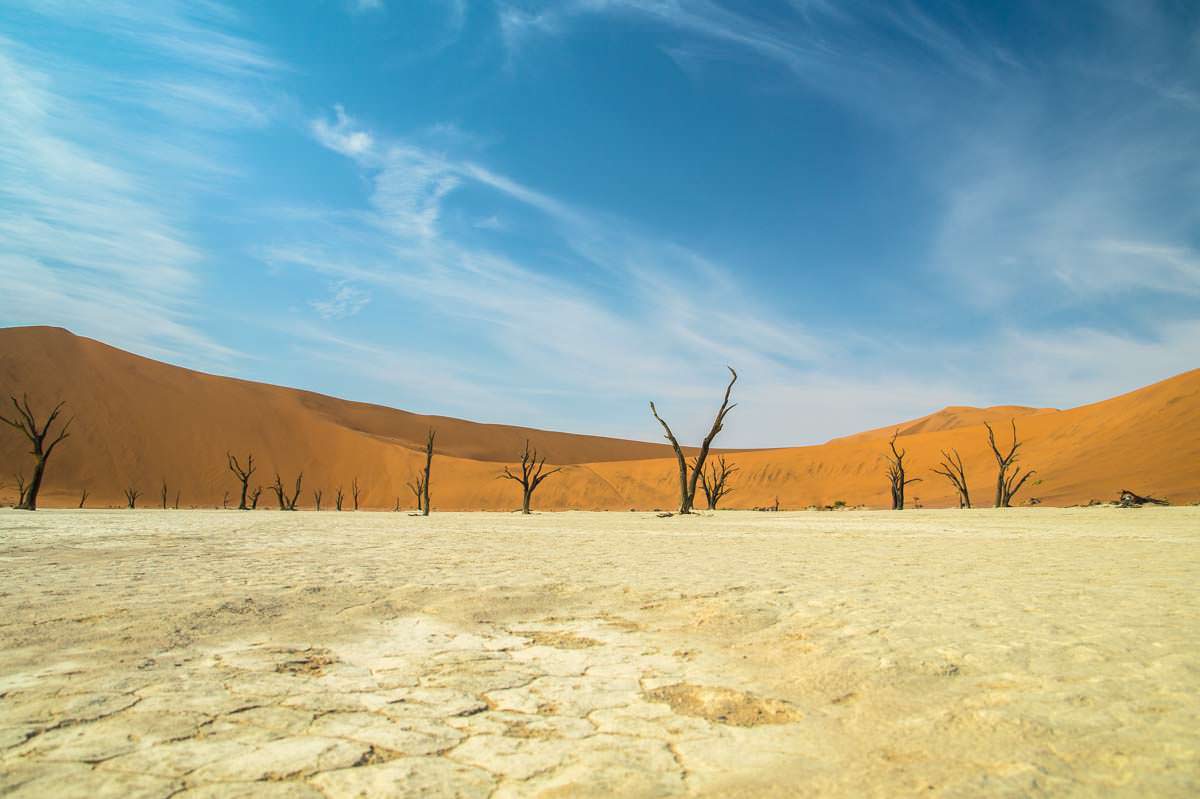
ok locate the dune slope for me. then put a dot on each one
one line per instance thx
(140, 422)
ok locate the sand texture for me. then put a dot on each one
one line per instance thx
(1027, 652)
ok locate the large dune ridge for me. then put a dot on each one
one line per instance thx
(139, 422)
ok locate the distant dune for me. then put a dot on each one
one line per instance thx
(140, 421)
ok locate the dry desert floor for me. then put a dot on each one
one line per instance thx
(1023, 652)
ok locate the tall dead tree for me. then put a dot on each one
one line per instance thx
(714, 480)
(531, 476)
(416, 486)
(83, 495)
(1007, 484)
(163, 494)
(687, 483)
(287, 502)
(338, 498)
(952, 469)
(428, 465)
(254, 495)
(896, 473)
(131, 497)
(317, 494)
(354, 492)
(26, 421)
(243, 474)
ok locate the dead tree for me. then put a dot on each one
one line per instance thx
(83, 495)
(1007, 485)
(397, 508)
(1128, 499)
(131, 496)
(254, 497)
(896, 473)
(225, 501)
(531, 476)
(354, 492)
(428, 465)
(416, 486)
(687, 483)
(287, 502)
(163, 494)
(317, 494)
(21, 488)
(952, 469)
(26, 422)
(177, 499)
(338, 497)
(715, 481)
(243, 474)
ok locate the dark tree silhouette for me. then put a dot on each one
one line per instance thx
(26, 422)
(428, 466)
(254, 496)
(354, 492)
(317, 494)
(176, 499)
(163, 494)
(416, 486)
(243, 474)
(225, 501)
(131, 496)
(531, 476)
(1007, 484)
(896, 475)
(21, 488)
(83, 495)
(952, 469)
(715, 481)
(397, 508)
(287, 502)
(687, 484)
(338, 497)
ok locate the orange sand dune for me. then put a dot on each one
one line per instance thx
(140, 422)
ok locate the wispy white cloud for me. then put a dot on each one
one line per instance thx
(94, 232)
(343, 300)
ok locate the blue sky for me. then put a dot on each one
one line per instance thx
(550, 213)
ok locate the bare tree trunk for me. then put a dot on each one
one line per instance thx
(354, 492)
(22, 487)
(225, 501)
(896, 473)
(254, 497)
(428, 466)
(714, 481)
(243, 475)
(952, 469)
(1007, 485)
(417, 486)
(531, 475)
(177, 499)
(317, 493)
(687, 484)
(131, 496)
(83, 495)
(163, 494)
(287, 502)
(26, 422)
(338, 497)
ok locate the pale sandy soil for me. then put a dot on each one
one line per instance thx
(1017, 653)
